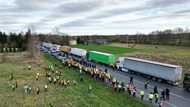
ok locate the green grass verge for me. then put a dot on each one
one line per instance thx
(73, 96)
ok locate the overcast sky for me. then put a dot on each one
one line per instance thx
(93, 16)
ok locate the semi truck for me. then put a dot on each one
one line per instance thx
(161, 71)
(101, 57)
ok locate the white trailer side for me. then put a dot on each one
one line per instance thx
(172, 73)
(78, 52)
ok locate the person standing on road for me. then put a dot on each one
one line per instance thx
(142, 94)
(123, 86)
(167, 94)
(120, 69)
(146, 84)
(151, 97)
(131, 80)
(134, 91)
(156, 95)
(128, 90)
(163, 95)
(161, 103)
(155, 90)
(106, 70)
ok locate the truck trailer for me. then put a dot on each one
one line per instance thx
(171, 73)
(101, 57)
(78, 52)
(65, 49)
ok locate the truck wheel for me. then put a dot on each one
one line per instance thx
(174, 83)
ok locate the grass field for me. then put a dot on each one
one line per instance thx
(72, 96)
(178, 51)
(106, 48)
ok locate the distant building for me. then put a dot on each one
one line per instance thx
(72, 42)
(97, 41)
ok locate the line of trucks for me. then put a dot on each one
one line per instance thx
(155, 70)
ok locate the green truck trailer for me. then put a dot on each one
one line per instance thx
(104, 58)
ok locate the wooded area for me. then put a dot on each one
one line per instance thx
(14, 41)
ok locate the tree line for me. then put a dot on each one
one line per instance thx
(177, 37)
(158, 38)
(14, 41)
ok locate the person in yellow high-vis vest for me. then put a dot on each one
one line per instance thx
(156, 97)
(142, 94)
(151, 97)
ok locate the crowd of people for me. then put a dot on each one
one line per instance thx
(52, 76)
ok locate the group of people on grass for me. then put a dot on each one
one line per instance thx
(51, 75)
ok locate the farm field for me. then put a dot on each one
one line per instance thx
(72, 96)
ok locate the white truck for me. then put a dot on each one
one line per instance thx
(171, 73)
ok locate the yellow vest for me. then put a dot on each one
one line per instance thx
(151, 96)
(114, 80)
(141, 93)
(157, 95)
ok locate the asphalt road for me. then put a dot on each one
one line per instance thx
(178, 97)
